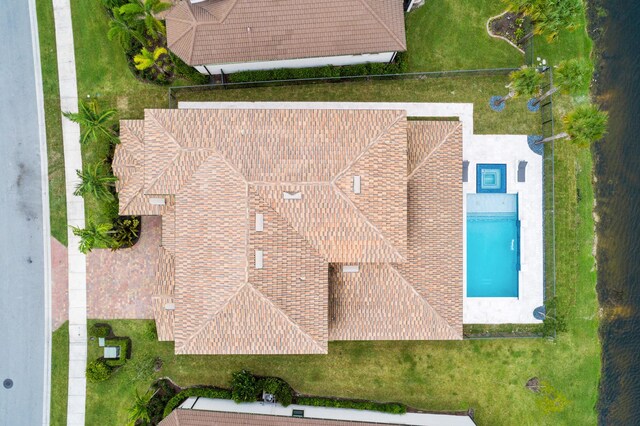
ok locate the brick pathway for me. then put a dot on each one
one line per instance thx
(59, 284)
(120, 283)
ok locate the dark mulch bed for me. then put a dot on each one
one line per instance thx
(510, 26)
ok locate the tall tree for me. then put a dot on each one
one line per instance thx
(549, 16)
(524, 82)
(145, 11)
(124, 29)
(94, 182)
(93, 122)
(583, 126)
(93, 235)
(570, 77)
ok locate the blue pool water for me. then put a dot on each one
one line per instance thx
(491, 178)
(493, 247)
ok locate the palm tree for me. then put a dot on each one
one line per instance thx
(92, 122)
(524, 82)
(146, 59)
(93, 235)
(584, 125)
(570, 77)
(144, 11)
(549, 16)
(140, 409)
(93, 182)
(123, 29)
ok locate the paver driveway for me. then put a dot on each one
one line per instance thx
(120, 283)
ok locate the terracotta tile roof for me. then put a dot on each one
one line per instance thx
(182, 417)
(228, 31)
(219, 169)
(420, 299)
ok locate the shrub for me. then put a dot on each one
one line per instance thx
(387, 407)
(98, 371)
(100, 330)
(188, 72)
(244, 387)
(279, 388)
(399, 65)
(126, 231)
(125, 351)
(203, 392)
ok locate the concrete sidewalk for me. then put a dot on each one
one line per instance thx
(75, 215)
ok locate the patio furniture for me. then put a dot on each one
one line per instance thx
(101, 342)
(465, 171)
(522, 171)
(111, 352)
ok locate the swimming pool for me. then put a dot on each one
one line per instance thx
(493, 245)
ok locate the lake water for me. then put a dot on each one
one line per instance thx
(617, 170)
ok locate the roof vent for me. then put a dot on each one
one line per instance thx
(259, 222)
(356, 184)
(350, 269)
(259, 258)
(292, 195)
(157, 201)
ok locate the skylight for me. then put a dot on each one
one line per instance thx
(350, 269)
(259, 258)
(356, 184)
(154, 201)
(259, 222)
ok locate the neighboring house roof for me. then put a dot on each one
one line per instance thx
(220, 169)
(181, 417)
(229, 31)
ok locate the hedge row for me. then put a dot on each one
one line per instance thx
(181, 396)
(387, 407)
(399, 65)
(125, 347)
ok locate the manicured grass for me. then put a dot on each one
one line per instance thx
(55, 154)
(467, 89)
(59, 375)
(451, 34)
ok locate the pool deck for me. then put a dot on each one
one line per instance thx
(510, 150)
(502, 149)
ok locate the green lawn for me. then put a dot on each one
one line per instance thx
(452, 34)
(57, 197)
(487, 375)
(59, 375)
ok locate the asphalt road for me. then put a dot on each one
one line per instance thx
(22, 251)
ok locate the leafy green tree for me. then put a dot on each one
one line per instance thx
(549, 16)
(570, 77)
(124, 29)
(523, 82)
(93, 235)
(94, 182)
(146, 59)
(584, 125)
(145, 11)
(140, 411)
(93, 122)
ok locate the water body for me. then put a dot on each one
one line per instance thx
(617, 169)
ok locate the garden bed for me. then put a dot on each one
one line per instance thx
(509, 26)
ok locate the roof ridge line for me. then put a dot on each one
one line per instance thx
(296, 326)
(435, 148)
(190, 29)
(213, 315)
(368, 222)
(366, 149)
(424, 300)
(381, 22)
(290, 225)
(144, 180)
